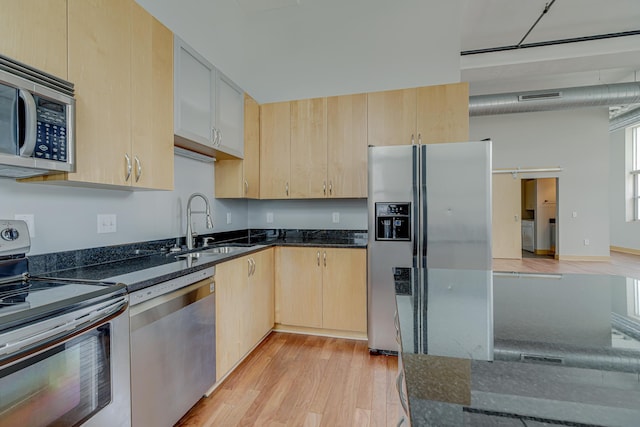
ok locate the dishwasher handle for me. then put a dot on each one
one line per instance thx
(162, 306)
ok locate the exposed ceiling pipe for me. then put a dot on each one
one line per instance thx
(623, 120)
(555, 99)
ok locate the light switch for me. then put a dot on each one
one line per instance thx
(269, 217)
(228, 217)
(335, 217)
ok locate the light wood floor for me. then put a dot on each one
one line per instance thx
(298, 380)
(620, 264)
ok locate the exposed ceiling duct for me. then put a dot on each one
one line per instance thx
(555, 99)
(629, 118)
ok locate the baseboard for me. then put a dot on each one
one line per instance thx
(583, 258)
(331, 333)
(624, 250)
(543, 252)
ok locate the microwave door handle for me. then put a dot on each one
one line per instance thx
(30, 124)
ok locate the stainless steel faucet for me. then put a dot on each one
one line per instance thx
(190, 234)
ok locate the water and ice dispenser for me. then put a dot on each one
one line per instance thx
(393, 221)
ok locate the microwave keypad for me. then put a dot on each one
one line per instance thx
(51, 138)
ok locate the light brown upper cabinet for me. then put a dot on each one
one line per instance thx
(309, 149)
(241, 178)
(275, 150)
(424, 115)
(347, 146)
(151, 102)
(121, 62)
(35, 32)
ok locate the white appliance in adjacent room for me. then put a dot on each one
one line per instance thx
(528, 235)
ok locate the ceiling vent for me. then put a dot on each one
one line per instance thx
(565, 98)
(536, 96)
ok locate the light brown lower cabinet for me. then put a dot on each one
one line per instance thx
(321, 288)
(244, 306)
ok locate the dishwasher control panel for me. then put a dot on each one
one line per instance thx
(172, 285)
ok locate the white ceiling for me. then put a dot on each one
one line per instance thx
(293, 49)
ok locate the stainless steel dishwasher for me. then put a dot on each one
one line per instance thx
(173, 347)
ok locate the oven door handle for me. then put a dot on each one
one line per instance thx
(87, 319)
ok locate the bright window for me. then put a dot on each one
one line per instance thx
(636, 295)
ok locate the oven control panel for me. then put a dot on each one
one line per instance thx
(14, 237)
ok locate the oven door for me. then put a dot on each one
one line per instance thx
(80, 379)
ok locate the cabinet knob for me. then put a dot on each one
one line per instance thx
(330, 187)
(318, 254)
(413, 140)
(419, 139)
(286, 188)
(324, 188)
(324, 257)
(246, 186)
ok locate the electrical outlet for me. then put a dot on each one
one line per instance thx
(269, 217)
(31, 224)
(335, 217)
(574, 214)
(228, 217)
(586, 242)
(106, 223)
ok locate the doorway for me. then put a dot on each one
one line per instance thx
(524, 216)
(539, 213)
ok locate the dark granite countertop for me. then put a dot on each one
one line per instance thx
(144, 264)
(524, 350)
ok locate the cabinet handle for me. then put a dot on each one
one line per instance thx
(128, 165)
(138, 168)
(413, 140)
(318, 258)
(253, 271)
(330, 187)
(324, 257)
(286, 188)
(246, 186)
(220, 138)
(249, 267)
(324, 187)
(419, 139)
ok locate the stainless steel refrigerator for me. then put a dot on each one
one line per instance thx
(430, 239)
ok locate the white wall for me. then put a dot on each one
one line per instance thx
(66, 217)
(577, 141)
(309, 214)
(625, 234)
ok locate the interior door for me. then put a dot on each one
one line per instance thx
(507, 237)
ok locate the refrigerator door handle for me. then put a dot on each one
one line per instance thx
(416, 205)
(423, 203)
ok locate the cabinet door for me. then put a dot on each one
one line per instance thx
(347, 145)
(152, 101)
(100, 67)
(194, 95)
(299, 287)
(275, 150)
(344, 289)
(35, 32)
(229, 117)
(260, 309)
(309, 148)
(235, 178)
(251, 162)
(231, 289)
(392, 117)
(443, 113)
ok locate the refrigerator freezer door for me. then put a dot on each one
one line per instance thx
(392, 179)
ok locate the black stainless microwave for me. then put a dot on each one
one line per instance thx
(37, 116)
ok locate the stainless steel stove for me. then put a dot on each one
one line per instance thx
(64, 344)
